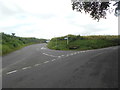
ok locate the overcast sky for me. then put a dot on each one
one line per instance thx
(50, 18)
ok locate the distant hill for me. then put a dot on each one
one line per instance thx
(77, 42)
(9, 43)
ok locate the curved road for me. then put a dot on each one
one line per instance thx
(36, 66)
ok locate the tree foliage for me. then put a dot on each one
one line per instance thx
(97, 9)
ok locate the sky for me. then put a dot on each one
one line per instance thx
(51, 18)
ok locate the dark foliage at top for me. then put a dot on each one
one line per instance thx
(97, 9)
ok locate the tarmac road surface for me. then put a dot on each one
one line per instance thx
(36, 66)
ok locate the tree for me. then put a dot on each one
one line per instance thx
(13, 34)
(97, 9)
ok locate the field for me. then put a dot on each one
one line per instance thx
(77, 42)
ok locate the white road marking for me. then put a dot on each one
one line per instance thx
(46, 62)
(75, 53)
(49, 55)
(67, 55)
(71, 54)
(36, 64)
(53, 60)
(43, 48)
(12, 72)
(26, 68)
(59, 56)
(82, 51)
(62, 55)
(46, 54)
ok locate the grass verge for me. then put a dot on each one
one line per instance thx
(83, 42)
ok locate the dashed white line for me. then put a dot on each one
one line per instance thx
(12, 72)
(67, 55)
(71, 54)
(45, 54)
(36, 64)
(75, 53)
(62, 55)
(59, 56)
(82, 51)
(26, 68)
(46, 62)
(53, 60)
(49, 55)
(43, 48)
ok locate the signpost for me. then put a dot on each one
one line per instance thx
(67, 39)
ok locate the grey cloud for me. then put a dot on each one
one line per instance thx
(4, 10)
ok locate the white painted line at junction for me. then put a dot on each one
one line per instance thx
(52, 56)
(36, 64)
(12, 72)
(43, 48)
(59, 56)
(53, 60)
(49, 55)
(45, 54)
(67, 55)
(26, 68)
(46, 62)
(71, 54)
(82, 51)
(62, 55)
(75, 53)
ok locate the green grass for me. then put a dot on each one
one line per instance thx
(83, 42)
(10, 43)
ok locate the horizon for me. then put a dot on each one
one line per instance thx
(59, 36)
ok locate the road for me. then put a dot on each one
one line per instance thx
(36, 66)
